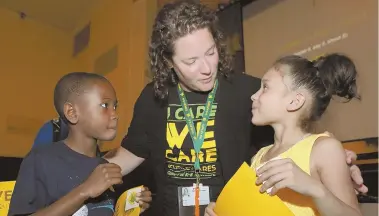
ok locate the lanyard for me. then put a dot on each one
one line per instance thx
(197, 139)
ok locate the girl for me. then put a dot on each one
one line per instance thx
(310, 176)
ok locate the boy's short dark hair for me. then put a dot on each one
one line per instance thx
(72, 84)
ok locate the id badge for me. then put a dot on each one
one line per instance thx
(186, 196)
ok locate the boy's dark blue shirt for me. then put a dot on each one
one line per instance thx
(50, 172)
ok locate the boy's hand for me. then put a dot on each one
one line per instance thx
(102, 178)
(144, 198)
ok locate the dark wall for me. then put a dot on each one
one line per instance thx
(9, 168)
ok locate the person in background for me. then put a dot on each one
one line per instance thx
(52, 131)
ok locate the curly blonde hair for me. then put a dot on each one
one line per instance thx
(174, 21)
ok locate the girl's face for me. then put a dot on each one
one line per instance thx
(275, 102)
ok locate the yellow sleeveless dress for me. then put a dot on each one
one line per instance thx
(300, 153)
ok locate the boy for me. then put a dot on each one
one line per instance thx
(67, 178)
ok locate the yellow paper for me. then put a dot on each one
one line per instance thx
(241, 196)
(121, 203)
(6, 190)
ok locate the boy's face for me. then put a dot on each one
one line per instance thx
(97, 111)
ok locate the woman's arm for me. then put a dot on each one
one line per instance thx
(124, 158)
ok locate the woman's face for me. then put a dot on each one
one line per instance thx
(195, 60)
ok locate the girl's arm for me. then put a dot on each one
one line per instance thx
(337, 196)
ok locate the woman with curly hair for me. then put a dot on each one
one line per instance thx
(193, 120)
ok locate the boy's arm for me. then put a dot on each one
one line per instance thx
(30, 194)
(67, 205)
(102, 178)
(338, 196)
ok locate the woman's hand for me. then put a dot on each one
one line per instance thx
(355, 172)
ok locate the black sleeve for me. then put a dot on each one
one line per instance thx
(29, 194)
(136, 140)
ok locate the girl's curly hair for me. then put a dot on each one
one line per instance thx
(176, 20)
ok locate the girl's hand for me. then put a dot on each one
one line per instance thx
(284, 173)
(209, 210)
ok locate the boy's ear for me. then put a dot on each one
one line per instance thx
(71, 113)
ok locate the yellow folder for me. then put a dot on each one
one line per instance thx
(241, 196)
